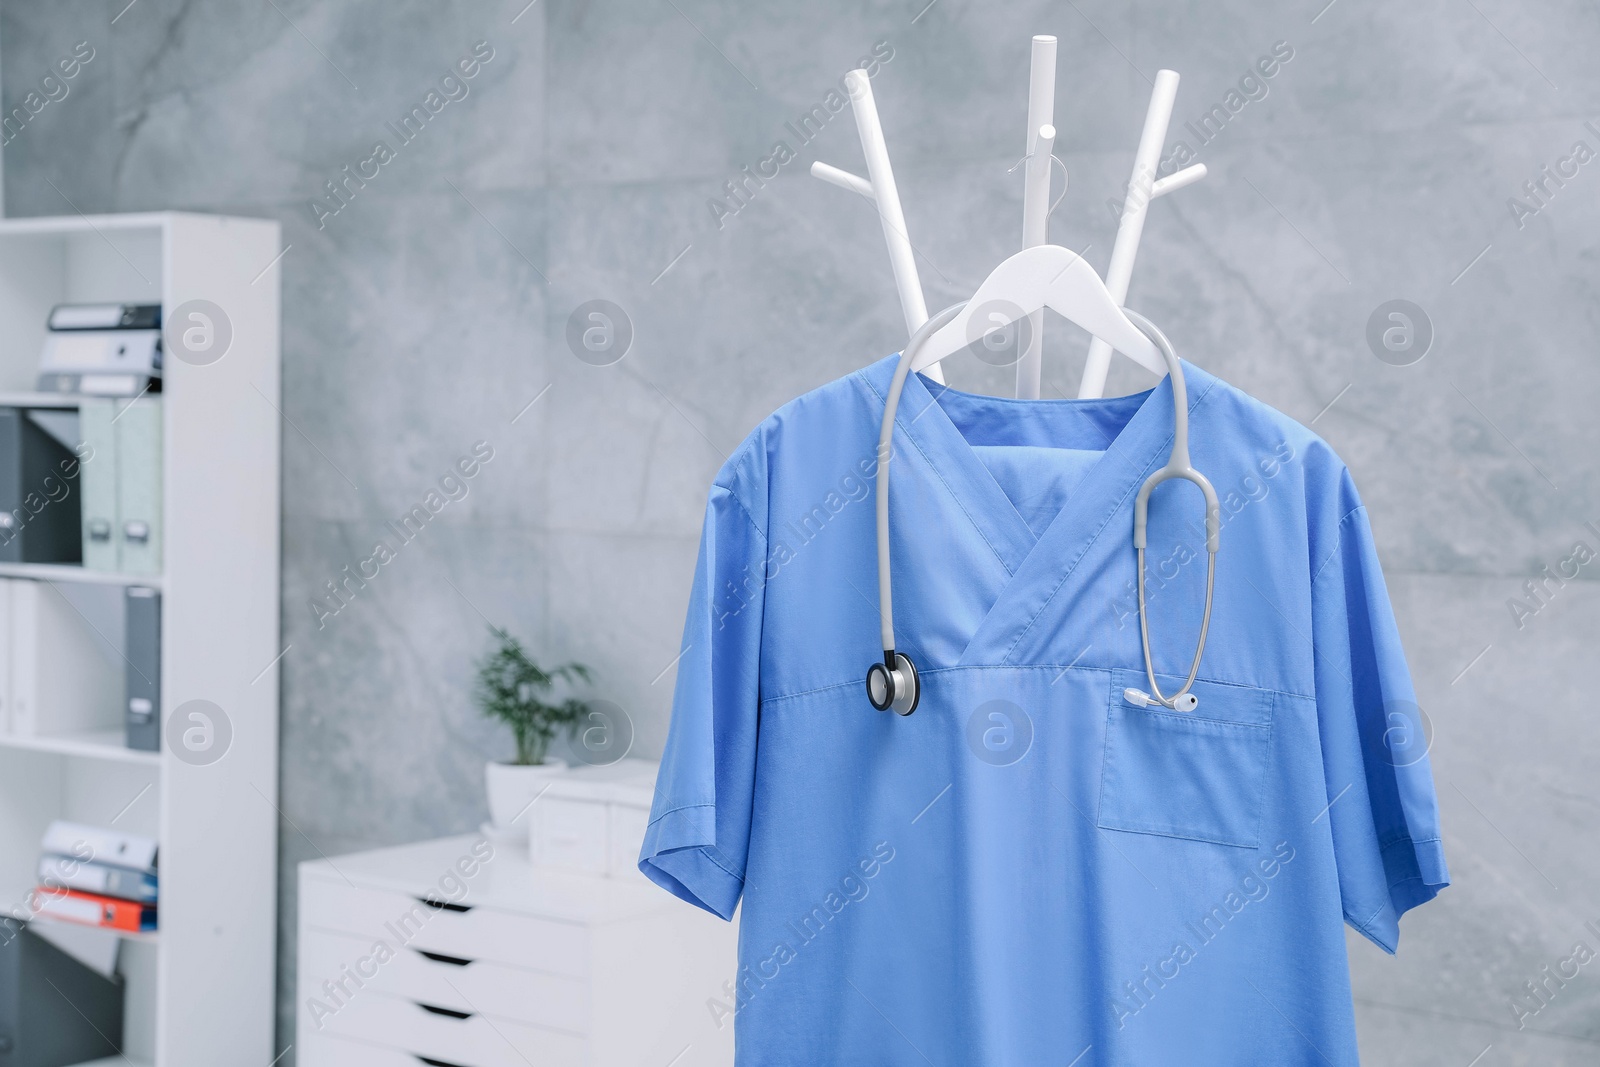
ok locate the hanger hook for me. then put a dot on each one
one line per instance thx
(1065, 178)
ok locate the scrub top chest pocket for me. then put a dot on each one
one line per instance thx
(1199, 775)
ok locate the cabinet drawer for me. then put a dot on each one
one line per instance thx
(570, 834)
(494, 989)
(463, 930)
(323, 1050)
(418, 1034)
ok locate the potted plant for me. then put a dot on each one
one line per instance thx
(512, 688)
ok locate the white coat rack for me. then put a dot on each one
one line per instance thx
(881, 190)
(1143, 187)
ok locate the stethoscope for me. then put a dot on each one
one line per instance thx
(893, 683)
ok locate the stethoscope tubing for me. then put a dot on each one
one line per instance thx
(891, 406)
(1177, 466)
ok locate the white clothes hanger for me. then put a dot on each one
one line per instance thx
(1044, 276)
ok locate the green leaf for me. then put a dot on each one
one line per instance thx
(510, 688)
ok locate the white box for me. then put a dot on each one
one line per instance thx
(593, 819)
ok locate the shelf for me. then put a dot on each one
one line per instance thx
(95, 744)
(72, 572)
(15, 399)
(41, 400)
(147, 937)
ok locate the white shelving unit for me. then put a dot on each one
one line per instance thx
(200, 991)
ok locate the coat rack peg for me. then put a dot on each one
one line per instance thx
(1131, 226)
(843, 179)
(1173, 182)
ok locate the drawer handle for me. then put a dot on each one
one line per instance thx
(440, 957)
(445, 905)
(436, 1063)
(447, 1012)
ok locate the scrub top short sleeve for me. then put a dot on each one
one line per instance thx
(1382, 811)
(699, 831)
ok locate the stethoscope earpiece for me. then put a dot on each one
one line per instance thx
(1140, 699)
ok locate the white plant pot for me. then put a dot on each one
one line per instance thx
(512, 788)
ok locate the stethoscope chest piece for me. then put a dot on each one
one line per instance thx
(896, 689)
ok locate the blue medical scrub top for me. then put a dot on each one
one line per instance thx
(1030, 869)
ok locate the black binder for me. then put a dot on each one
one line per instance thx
(144, 669)
(54, 1011)
(40, 510)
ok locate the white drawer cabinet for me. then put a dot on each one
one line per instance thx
(460, 983)
(461, 953)
(321, 1050)
(466, 1038)
(328, 1050)
(471, 931)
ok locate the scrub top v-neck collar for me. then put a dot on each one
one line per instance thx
(1036, 567)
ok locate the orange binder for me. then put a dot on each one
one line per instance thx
(91, 909)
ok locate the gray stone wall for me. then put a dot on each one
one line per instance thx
(1386, 158)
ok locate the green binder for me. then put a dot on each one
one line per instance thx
(138, 435)
(121, 484)
(97, 481)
